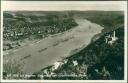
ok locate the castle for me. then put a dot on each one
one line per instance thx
(111, 38)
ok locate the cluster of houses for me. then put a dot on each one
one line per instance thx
(57, 65)
(22, 31)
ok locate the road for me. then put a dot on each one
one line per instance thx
(50, 49)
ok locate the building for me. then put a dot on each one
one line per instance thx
(111, 38)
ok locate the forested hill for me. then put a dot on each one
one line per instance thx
(104, 58)
(108, 19)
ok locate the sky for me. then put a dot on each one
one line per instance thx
(62, 5)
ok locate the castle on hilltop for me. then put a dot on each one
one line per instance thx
(111, 38)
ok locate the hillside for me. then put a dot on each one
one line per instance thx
(108, 19)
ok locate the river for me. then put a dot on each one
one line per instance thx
(45, 52)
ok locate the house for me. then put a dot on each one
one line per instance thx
(56, 65)
(75, 63)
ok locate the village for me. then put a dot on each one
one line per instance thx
(19, 28)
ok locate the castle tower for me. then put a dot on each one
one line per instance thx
(114, 34)
(106, 40)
